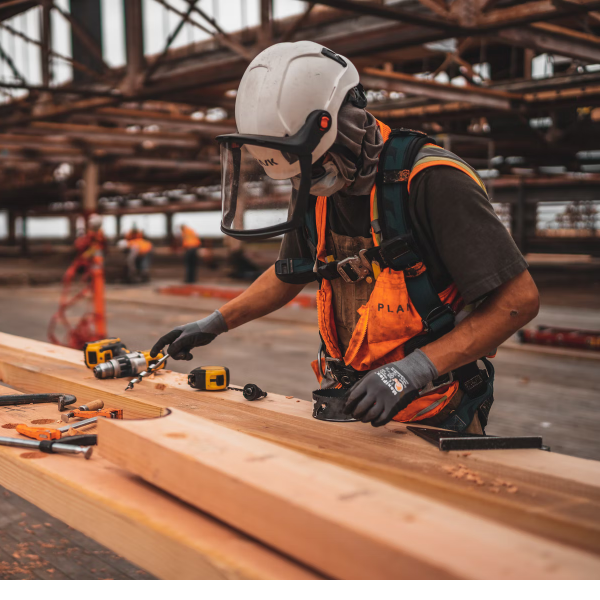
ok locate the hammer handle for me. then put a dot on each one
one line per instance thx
(93, 405)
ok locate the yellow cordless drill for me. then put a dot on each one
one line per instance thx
(110, 359)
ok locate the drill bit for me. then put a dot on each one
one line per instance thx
(147, 372)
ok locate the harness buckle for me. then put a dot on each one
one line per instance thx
(441, 381)
(341, 372)
(439, 319)
(354, 268)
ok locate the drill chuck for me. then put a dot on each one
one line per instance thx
(127, 365)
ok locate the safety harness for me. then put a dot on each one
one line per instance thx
(397, 249)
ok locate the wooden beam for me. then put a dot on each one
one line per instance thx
(114, 134)
(546, 37)
(222, 37)
(401, 82)
(134, 45)
(558, 496)
(297, 24)
(161, 57)
(344, 524)
(133, 115)
(46, 44)
(155, 531)
(90, 189)
(167, 163)
(266, 23)
(84, 36)
(75, 64)
(532, 12)
(438, 7)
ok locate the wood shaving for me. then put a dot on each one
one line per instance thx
(462, 472)
(289, 397)
(494, 489)
(512, 489)
(160, 386)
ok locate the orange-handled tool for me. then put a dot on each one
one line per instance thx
(44, 433)
(108, 413)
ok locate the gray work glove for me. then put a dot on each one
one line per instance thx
(379, 396)
(185, 337)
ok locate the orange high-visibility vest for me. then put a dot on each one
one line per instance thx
(388, 320)
(189, 238)
(142, 245)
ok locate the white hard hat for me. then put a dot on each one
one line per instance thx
(94, 222)
(281, 87)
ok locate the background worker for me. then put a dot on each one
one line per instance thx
(397, 362)
(190, 242)
(139, 255)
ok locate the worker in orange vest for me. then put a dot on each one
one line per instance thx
(190, 242)
(139, 255)
(419, 281)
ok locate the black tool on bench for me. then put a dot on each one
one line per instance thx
(452, 440)
(329, 405)
(62, 400)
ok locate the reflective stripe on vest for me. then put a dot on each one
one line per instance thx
(434, 156)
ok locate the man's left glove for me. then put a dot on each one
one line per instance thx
(184, 338)
(379, 396)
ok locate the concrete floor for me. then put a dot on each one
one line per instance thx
(556, 396)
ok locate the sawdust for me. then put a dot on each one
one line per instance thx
(176, 435)
(160, 386)
(33, 455)
(9, 426)
(289, 397)
(460, 471)
(42, 421)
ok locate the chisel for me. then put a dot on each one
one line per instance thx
(48, 446)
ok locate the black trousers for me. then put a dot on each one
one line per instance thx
(191, 261)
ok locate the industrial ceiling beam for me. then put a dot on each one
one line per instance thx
(407, 84)
(115, 134)
(520, 14)
(75, 64)
(134, 45)
(547, 37)
(83, 35)
(223, 40)
(152, 68)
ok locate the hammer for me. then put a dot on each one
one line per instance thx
(93, 405)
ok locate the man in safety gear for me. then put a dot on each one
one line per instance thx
(419, 281)
(190, 242)
(139, 255)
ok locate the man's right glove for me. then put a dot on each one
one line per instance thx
(185, 337)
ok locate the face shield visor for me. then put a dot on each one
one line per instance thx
(257, 197)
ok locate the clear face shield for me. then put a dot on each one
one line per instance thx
(256, 191)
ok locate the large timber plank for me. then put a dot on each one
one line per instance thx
(343, 523)
(553, 495)
(154, 530)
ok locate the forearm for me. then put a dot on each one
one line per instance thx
(264, 296)
(504, 312)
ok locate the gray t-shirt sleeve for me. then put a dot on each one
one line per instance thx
(460, 235)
